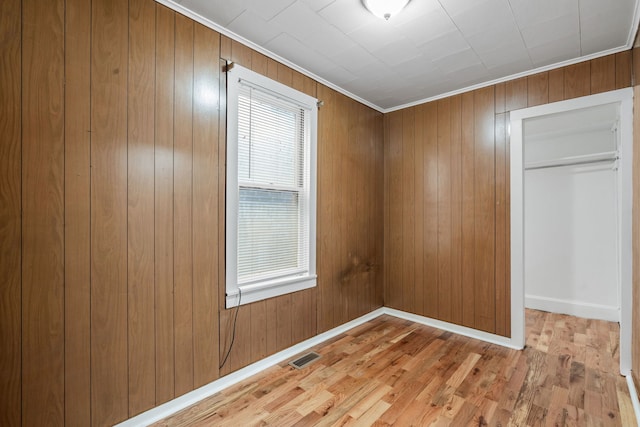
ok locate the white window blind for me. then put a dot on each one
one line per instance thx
(271, 187)
(272, 226)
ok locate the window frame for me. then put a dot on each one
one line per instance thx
(238, 293)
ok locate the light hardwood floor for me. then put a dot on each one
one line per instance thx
(394, 372)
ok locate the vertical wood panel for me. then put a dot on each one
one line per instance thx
(325, 207)
(77, 214)
(537, 89)
(301, 313)
(43, 213)
(623, 69)
(468, 210)
(484, 210)
(386, 285)
(109, 381)
(577, 80)
(456, 210)
(444, 209)
(225, 47)
(307, 85)
(430, 162)
(378, 171)
(205, 204)
(365, 181)
(418, 235)
(164, 239)
(501, 97)
(141, 206)
(349, 208)
(377, 179)
(240, 352)
(502, 175)
(395, 209)
(516, 94)
(10, 213)
(182, 205)
(241, 54)
(342, 127)
(408, 207)
(284, 324)
(556, 85)
(603, 74)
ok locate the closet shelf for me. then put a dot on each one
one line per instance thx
(573, 160)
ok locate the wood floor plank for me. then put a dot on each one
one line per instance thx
(393, 372)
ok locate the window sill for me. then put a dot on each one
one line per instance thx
(261, 291)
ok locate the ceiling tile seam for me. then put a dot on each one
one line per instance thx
(324, 7)
(347, 35)
(247, 11)
(524, 43)
(224, 31)
(463, 36)
(282, 11)
(580, 26)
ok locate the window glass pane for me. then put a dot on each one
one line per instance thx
(268, 232)
(270, 140)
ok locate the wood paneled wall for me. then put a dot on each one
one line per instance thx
(447, 201)
(349, 253)
(112, 197)
(350, 214)
(95, 175)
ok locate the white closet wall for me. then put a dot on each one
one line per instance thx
(571, 225)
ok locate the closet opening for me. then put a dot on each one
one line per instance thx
(571, 211)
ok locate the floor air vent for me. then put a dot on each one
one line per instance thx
(305, 360)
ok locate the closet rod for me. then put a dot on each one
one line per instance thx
(576, 160)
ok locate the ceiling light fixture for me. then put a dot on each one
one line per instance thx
(384, 9)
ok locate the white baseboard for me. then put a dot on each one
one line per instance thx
(193, 397)
(574, 308)
(166, 409)
(634, 398)
(451, 327)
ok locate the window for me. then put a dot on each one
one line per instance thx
(271, 188)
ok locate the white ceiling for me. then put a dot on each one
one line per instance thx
(432, 48)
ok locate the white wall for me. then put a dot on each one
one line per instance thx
(570, 240)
